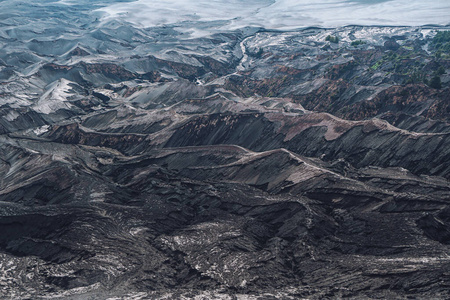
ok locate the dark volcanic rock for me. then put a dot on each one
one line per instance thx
(79, 52)
(248, 164)
(361, 144)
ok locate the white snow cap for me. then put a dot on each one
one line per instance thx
(281, 14)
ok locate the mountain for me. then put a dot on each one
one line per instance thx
(221, 160)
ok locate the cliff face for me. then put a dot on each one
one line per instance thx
(141, 164)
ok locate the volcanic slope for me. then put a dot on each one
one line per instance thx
(252, 162)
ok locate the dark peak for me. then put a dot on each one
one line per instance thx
(79, 51)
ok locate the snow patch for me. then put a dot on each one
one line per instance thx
(41, 130)
(55, 98)
(193, 16)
